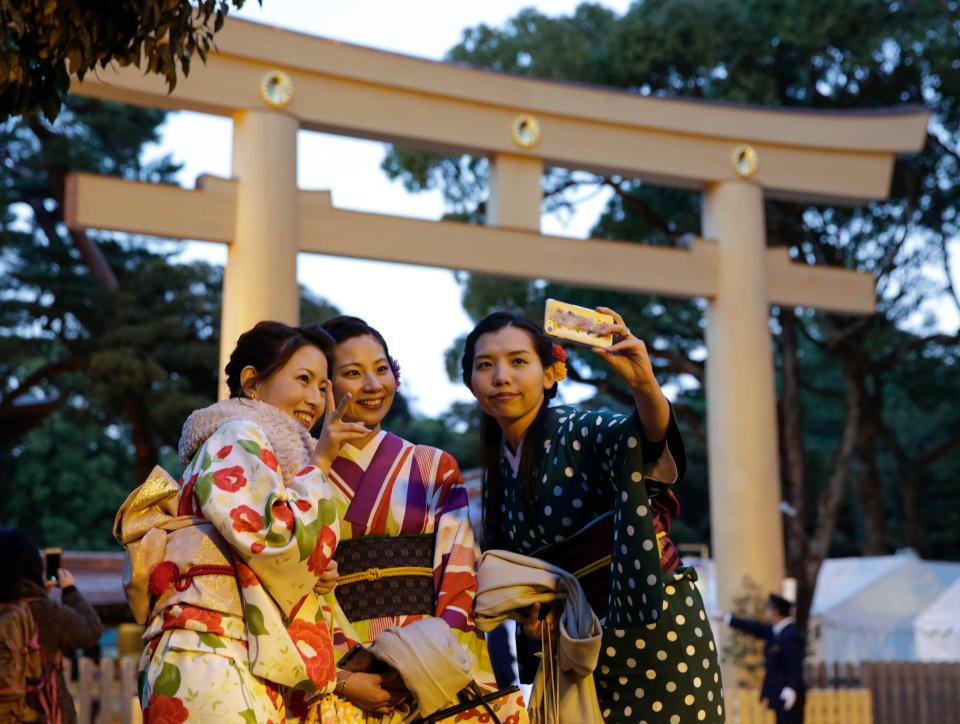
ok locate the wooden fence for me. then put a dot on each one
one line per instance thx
(824, 706)
(104, 693)
(913, 692)
(872, 693)
(902, 691)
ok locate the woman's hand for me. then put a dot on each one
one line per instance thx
(65, 578)
(328, 579)
(335, 432)
(629, 360)
(370, 692)
(533, 627)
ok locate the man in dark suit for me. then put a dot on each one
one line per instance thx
(783, 651)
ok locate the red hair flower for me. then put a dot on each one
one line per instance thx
(560, 366)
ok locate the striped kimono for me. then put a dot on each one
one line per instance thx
(393, 488)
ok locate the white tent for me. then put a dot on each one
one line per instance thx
(864, 608)
(937, 629)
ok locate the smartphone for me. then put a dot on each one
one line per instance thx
(577, 324)
(51, 557)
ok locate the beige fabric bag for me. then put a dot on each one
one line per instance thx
(563, 690)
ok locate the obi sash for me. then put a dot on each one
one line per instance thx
(586, 554)
(385, 576)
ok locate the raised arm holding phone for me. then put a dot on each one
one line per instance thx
(553, 472)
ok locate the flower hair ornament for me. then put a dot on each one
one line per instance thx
(395, 366)
(560, 365)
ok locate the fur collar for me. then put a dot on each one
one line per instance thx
(291, 443)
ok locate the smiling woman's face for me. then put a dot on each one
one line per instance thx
(361, 367)
(299, 387)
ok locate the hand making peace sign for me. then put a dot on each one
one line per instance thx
(335, 432)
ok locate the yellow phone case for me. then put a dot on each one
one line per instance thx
(577, 324)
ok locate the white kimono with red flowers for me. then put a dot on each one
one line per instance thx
(222, 652)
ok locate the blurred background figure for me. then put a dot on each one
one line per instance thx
(32, 686)
(783, 650)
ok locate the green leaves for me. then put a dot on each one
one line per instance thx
(254, 618)
(204, 487)
(42, 42)
(168, 682)
(250, 446)
(306, 536)
(211, 640)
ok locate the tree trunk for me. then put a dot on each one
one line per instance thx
(869, 487)
(792, 446)
(828, 505)
(146, 443)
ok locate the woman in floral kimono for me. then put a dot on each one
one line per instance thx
(407, 549)
(552, 472)
(236, 621)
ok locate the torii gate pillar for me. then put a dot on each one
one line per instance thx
(259, 280)
(741, 398)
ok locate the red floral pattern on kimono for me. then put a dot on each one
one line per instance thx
(281, 532)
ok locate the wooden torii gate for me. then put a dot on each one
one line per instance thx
(274, 82)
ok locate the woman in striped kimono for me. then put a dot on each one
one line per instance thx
(407, 550)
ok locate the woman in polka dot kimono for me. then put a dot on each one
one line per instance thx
(552, 471)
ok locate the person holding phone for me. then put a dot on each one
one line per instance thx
(591, 492)
(407, 549)
(235, 626)
(61, 628)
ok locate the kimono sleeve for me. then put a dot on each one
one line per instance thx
(285, 531)
(456, 552)
(455, 559)
(662, 464)
(625, 463)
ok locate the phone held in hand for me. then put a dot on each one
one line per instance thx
(52, 557)
(577, 324)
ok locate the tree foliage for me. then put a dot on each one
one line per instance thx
(44, 42)
(867, 439)
(106, 342)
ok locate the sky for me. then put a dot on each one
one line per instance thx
(388, 296)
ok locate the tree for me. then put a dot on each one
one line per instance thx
(45, 42)
(858, 449)
(106, 341)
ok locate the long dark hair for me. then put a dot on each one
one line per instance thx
(268, 346)
(532, 448)
(20, 562)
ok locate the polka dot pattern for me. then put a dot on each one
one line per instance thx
(657, 670)
(593, 464)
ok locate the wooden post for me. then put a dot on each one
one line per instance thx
(260, 278)
(741, 400)
(515, 192)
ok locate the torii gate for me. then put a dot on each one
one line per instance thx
(273, 82)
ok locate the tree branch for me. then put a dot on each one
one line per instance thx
(641, 206)
(829, 502)
(49, 370)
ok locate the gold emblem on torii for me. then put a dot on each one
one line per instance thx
(525, 130)
(745, 160)
(276, 89)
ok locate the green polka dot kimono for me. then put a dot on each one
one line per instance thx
(659, 659)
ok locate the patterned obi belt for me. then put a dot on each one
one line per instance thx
(586, 554)
(385, 576)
